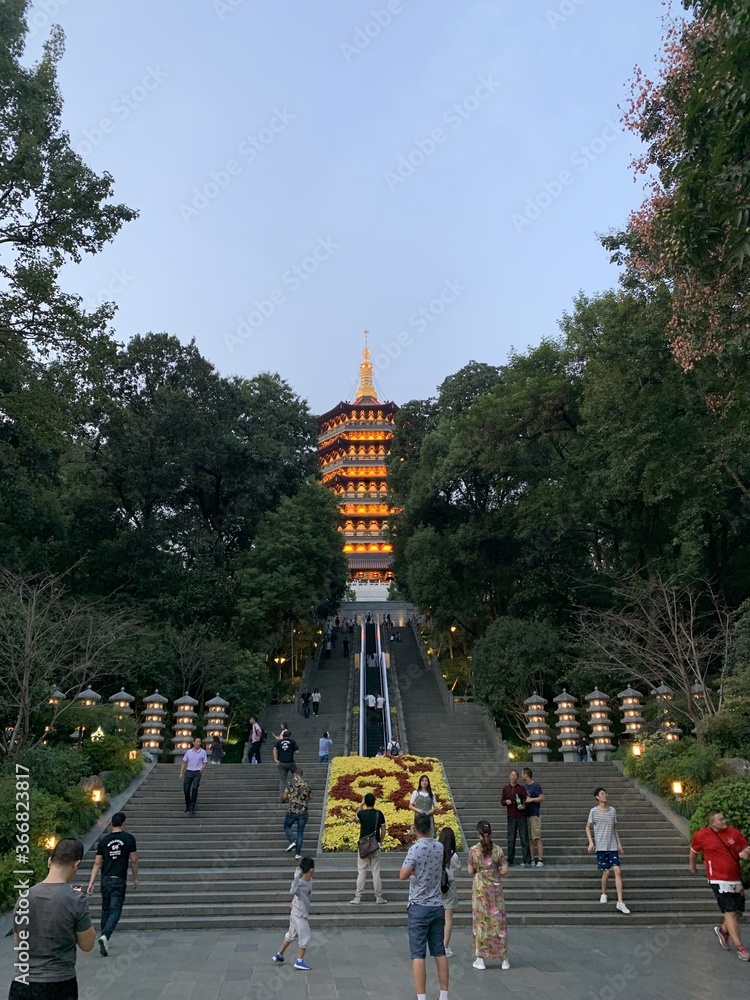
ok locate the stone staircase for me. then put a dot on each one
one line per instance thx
(226, 867)
(657, 884)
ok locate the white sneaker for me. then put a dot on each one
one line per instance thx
(506, 964)
(540, 864)
(290, 847)
(103, 945)
(622, 908)
(449, 953)
(478, 963)
(603, 898)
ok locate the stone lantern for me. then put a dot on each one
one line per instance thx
(536, 715)
(121, 703)
(184, 724)
(567, 725)
(599, 724)
(88, 698)
(630, 709)
(216, 723)
(152, 723)
(664, 696)
(55, 698)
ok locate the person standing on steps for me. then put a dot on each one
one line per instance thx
(722, 847)
(256, 740)
(50, 922)
(283, 754)
(423, 802)
(487, 865)
(371, 828)
(215, 751)
(601, 830)
(534, 799)
(113, 853)
(452, 865)
(425, 915)
(299, 924)
(345, 646)
(324, 748)
(193, 765)
(316, 696)
(514, 800)
(297, 795)
(283, 731)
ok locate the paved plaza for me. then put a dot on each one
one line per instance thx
(547, 964)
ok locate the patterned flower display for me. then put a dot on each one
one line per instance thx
(392, 781)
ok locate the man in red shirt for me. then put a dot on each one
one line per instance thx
(722, 846)
(514, 799)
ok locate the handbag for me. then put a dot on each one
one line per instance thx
(368, 845)
(744, 876)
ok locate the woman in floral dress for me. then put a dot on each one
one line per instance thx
(487, 864)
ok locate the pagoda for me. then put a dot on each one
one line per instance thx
(354, 440)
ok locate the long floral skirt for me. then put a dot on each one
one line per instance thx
(488, 917)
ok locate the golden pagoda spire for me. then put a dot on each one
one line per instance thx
(366, 392)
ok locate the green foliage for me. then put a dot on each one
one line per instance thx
(117, 781)
(694, 764)
(106, 754)
(55, 768)
(46, 813)
(514, 659)
(729, 729)
(8, 878)
(730, 796)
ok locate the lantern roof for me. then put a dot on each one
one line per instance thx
(565, 697)
(663, 689)
(186, 700)
(597, 695)
(90, 694)
(630, 692)
(57, 693)
(122, 696)
(217, 702)
(157, 697)
(535, 699)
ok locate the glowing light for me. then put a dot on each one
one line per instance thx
(677, 788)
(637, 750)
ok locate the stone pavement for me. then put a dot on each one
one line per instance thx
(546, 964)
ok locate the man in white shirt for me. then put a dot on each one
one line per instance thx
(380, 703)
(193, 765)
(370, 700)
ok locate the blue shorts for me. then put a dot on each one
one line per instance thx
(426, 927)
(607, 859)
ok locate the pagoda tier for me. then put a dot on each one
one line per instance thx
(354, 441)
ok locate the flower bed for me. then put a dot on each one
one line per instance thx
(391, 780)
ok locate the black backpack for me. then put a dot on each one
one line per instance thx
(263, 735)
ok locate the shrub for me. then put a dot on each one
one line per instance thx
(117, 781)
(729, 729)
(54, 769)
(8, 878)
(109, 753)
(46, 814)
(686, 760)
(730, 796)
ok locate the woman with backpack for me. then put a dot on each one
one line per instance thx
(451, 868)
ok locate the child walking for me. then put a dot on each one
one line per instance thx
(299, 927)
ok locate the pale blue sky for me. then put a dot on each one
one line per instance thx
(304, 126)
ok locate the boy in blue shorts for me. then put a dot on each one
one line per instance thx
(601, 831)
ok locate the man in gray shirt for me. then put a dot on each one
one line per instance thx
(423, 866)
(50, 920)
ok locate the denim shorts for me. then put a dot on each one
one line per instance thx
(426, 926)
